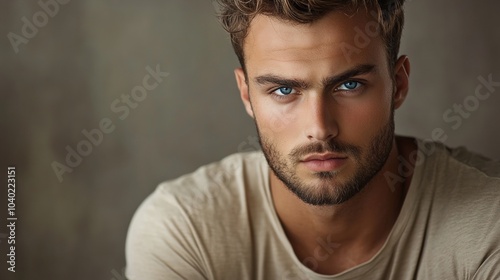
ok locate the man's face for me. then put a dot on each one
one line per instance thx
(324, 113)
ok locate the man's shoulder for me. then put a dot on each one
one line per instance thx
(187, 222)
(221, 175)
(456, 175)
(475, 163)
(209, 188)
(462, 176)
(469, 174)
(458, 208)
(466, 202)
(460, 186)
(458, 166)
(208, 195)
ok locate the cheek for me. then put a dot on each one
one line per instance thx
(363, 120)
(276, 123)
(273, 119)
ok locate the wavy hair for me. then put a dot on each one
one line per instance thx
(236, 15)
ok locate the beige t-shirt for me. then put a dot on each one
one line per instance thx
(220, 223)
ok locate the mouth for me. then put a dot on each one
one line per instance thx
(324, 162)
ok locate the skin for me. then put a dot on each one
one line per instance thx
(317, 118)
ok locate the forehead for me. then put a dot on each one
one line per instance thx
(336, 41)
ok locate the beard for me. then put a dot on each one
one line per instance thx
(327, 189)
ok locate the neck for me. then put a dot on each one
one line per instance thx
(355, 230)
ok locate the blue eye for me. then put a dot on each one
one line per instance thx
(284, 91)
(351, 85)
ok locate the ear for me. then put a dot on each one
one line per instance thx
(243, 87)
(401, 80)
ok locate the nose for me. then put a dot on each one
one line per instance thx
(321, 120)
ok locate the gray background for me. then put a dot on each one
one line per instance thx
(91, 52)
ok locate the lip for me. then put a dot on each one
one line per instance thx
(324, 162)
(327, 156)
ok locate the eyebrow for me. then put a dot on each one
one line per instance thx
(328, 82)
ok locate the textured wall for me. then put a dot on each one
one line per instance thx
(70, 76)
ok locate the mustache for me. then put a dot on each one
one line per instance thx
(331, 146)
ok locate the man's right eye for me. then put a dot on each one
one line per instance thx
(284, 91)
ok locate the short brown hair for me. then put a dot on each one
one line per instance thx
(236, 15)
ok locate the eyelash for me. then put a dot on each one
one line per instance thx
(359, 86)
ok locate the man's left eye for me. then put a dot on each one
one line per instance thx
(351, 85)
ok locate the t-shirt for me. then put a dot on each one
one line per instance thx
(220, 223)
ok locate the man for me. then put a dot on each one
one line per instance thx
(334, 193)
